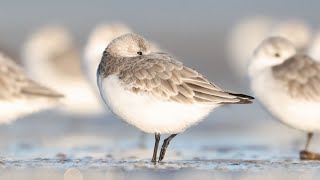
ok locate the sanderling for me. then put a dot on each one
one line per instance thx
(51, 58)
(20, 95)
(287, 83)
(155, 93)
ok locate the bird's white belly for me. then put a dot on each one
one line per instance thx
(297, 113)
(148, 113)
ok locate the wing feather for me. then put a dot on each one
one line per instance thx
(167, 79)
(300, 76)
(14, 83)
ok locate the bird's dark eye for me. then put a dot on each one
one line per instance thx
(140, 53)
(277, 55)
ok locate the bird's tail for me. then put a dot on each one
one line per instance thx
(243, 99)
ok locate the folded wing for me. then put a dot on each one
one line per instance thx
(300, 75)
(14, 83)
(164, 78)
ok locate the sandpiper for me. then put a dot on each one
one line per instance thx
(287, 83)
(51, 58)
(154, 92)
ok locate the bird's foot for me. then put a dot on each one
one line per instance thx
(154, 162)
(307, 155)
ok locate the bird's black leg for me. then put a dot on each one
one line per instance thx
(307, 155)
(165, 146)
(156, 144)
(309, 137)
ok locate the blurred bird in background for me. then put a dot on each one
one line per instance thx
(287, 83)
(98, 40)
(20, 95)
(243, 38)
(50, 57)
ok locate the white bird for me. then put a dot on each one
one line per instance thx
(155, 93)
(51, 58)
(20, 95)
(287, 83)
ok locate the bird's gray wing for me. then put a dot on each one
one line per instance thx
(170, 80)
(300, 75)
(14, 83)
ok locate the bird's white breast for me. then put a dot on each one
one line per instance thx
(300, 114)
(148, 113)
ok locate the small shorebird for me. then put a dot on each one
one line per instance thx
(20, 95)
(51, 58)
(155, 93)
(287, 83)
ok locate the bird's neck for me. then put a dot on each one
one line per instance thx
(109, 65)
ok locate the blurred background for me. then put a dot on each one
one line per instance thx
(197, 33)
